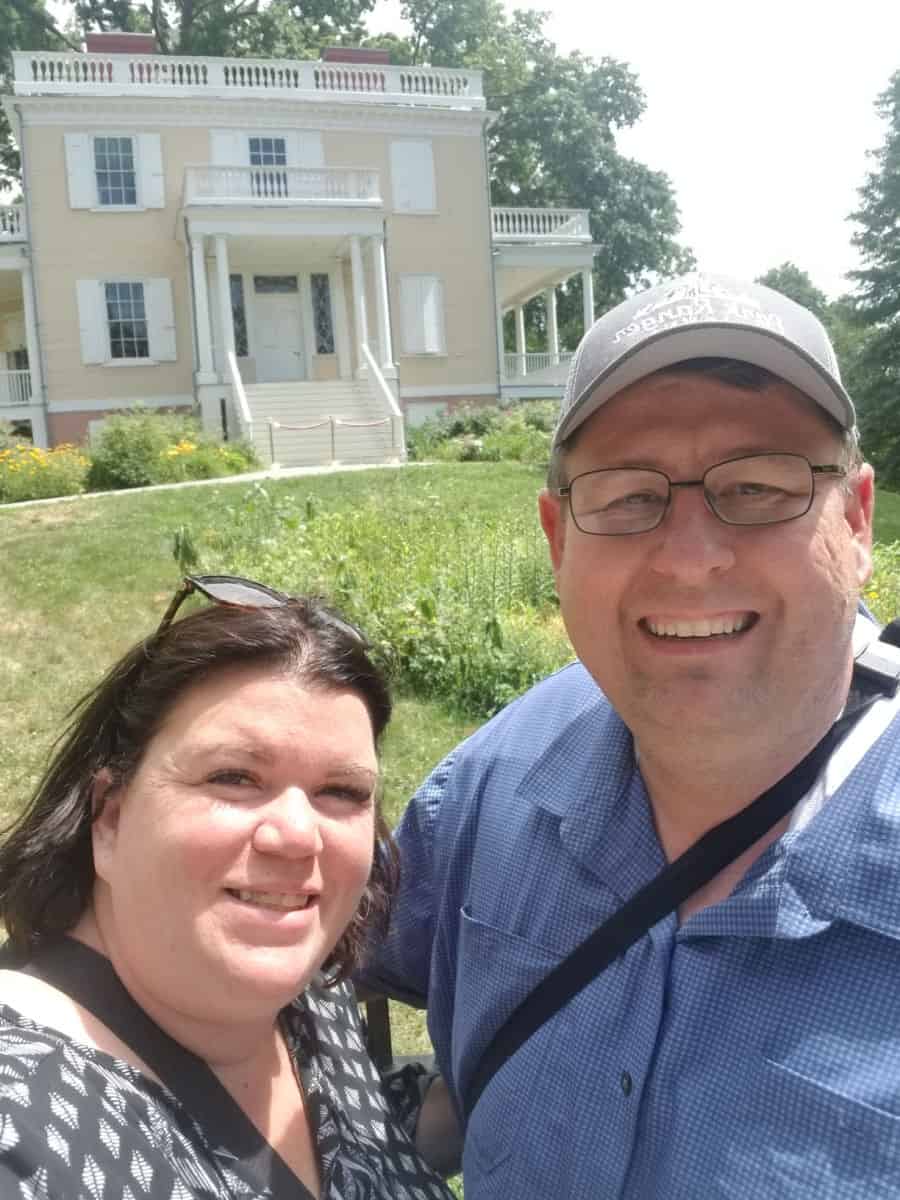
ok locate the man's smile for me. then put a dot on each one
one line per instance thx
(699, 627)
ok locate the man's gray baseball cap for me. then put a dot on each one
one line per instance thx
(702, 316)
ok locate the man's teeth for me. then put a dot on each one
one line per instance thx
(286, 900)
(699, 629)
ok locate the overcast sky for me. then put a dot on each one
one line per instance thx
(760, 113)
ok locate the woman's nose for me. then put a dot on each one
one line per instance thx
(288, 825)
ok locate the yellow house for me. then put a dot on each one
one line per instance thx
(304, 251)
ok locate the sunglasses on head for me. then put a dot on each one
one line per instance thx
(242, 593)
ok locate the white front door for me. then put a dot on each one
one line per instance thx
(278, 341)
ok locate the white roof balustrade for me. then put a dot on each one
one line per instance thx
(44, 73)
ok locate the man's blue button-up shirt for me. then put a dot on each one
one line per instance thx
(753, 1051)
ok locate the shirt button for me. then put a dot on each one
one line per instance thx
(627, 1083)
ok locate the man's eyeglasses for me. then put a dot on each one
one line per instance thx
(757, 489)
(223, 589)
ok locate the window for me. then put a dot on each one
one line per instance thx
(126, 322)
(422, 314)
(126, 317)
(321, 306)
(114, 168)
(267, 284)
(269, 152)
(412, 176)
(239, 315)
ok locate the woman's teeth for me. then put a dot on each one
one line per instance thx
(281, 900)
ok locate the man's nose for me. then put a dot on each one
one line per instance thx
(288, 825)
(692, 542)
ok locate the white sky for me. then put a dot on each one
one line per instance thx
(760, 113)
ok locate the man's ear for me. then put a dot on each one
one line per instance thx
(859, 507)
(106, 808)
(552, 511)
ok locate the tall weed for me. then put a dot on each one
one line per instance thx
(460, 608)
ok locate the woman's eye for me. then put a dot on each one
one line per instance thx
(352, 795)
(231, 778)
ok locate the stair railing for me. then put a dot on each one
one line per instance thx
(382, 391)
(241, 407)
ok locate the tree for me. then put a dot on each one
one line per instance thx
(796, 284)
(875, 306)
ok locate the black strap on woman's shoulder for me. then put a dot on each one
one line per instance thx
(676, 883)
(89, 979)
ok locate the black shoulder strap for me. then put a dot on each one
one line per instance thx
(89, 978)
(876, 672)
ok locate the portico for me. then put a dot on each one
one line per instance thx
(21, 380)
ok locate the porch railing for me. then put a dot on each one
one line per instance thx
(12, 223)
(211, 184)
(51, 72)
(239, 396)
(15, 387)
(381, 389)
(515, 365)
(540, 224)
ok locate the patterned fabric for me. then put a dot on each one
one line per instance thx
(77, 1124)
(752, 1052)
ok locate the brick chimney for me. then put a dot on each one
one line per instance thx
(356, 54)
(117, 42)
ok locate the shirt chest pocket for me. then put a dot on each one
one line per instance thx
(809, 1139)
(496, 971)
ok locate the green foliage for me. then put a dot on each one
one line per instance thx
(140, 447)
(460, 608)
(487, 433)
(796, 284)
(30, 473)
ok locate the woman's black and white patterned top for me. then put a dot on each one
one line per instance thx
(78, 1124)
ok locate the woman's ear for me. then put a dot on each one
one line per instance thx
(106, 807)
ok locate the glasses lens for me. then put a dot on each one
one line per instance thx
(760, 490)
(225, 589)
(619, 500)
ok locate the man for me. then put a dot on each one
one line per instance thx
(709, 522)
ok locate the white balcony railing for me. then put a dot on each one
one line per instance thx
(15, 387)
(281, 186)
(12, 223)
(53, 72)
(517, 365)
(540, 224)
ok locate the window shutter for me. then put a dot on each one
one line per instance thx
(412, 176)
(228, 148)
(80, 170)
(433, 314)
(411, 314)
(92, 320)
(160, 319)
(152, 190)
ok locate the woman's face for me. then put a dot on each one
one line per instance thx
(231, 863)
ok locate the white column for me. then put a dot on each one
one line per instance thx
(39, 428)
(201, 310)
(223, 286)
(339, 312)
(382, 309)
(521, 366)
(552, 330)
(31, 340)
(501, 343)
(587, 284)
(359, 301)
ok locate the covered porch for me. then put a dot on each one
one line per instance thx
(21, 391)
(535, 251)
(289, 288)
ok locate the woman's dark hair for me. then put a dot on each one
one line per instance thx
(46, 859)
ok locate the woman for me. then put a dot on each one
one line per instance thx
(205, 851)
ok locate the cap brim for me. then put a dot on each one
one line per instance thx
(745, 343)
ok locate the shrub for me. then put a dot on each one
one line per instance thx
(140, 447)
(488, 434)
(29, 473)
